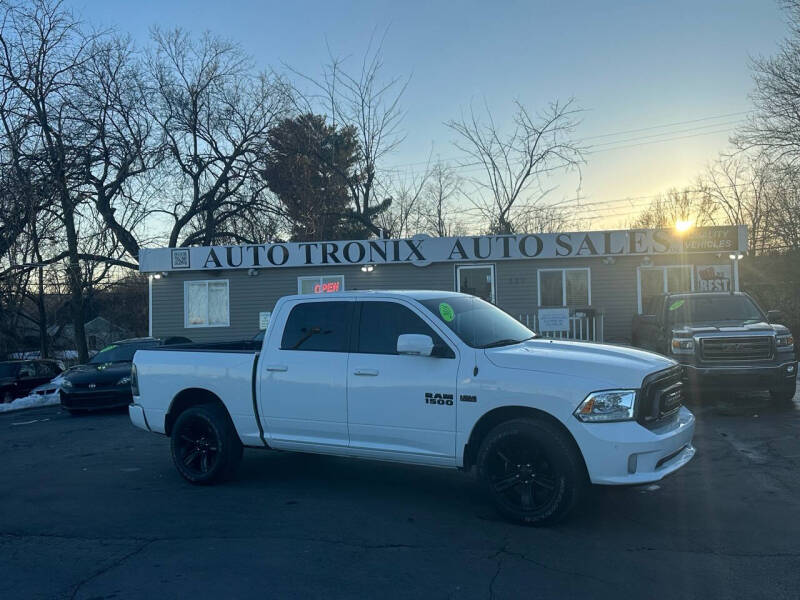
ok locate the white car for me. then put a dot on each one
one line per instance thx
(424, 377)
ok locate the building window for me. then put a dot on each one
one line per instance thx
(663, 280)
(477, 280)
(206, 303)
(321, 284)
(564, 287)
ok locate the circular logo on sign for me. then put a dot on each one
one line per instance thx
(446, 311)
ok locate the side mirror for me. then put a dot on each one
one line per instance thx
(414, 344)
(774, 316)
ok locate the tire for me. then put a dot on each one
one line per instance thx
(785, 393)
(532, 471)
(205, 446)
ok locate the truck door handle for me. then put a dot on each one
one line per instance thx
(279, 368)
(366, 372)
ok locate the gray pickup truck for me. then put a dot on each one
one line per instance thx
(723, 340)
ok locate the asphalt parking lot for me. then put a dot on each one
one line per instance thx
(93, 508)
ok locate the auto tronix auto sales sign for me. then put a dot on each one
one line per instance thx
(423, 250)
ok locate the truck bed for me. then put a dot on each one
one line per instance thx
(239, 346)
(224, 369)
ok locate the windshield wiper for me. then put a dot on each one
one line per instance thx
(506, 342)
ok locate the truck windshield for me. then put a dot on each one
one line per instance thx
(478, 323)
(705, 309)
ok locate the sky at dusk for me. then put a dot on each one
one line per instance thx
(629, 65)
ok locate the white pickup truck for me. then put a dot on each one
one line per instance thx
(423, 377)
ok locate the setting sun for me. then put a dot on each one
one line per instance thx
(683, 226)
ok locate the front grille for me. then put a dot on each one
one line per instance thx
(736, 348)
(94, 400)
(661, 396)
(88, 386)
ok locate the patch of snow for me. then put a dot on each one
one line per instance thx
(44, 395)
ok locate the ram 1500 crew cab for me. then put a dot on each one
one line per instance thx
(424, 377)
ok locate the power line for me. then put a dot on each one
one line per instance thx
(665, 133)
(683, 137)
(743, 112)
(603, 135)
(478, 167)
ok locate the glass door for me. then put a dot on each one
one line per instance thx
(477, 280)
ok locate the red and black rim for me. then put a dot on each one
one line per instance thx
(521, 475)
(198, 446)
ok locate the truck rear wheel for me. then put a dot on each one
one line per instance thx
(205, 446)
(531, 470)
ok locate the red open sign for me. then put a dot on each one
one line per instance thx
(325, 288)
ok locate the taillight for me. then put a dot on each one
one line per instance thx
(134, 381)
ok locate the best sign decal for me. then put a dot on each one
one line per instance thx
(422, 250)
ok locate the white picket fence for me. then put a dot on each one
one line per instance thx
(587, 328)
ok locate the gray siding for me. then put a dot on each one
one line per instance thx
(251, 295)
(613, 290)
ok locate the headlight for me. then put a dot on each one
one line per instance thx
(608, 405)
(125, 380)
(66, 383)
(682, 346)
(784, 341)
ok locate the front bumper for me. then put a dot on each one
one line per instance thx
(99, 398)
(742, 377)
(627, 453)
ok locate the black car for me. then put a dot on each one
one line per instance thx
(19, 377)
(105, 381)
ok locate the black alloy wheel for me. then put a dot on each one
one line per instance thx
(205, 446)
(521, 475)
(532, 470)
(198, 446)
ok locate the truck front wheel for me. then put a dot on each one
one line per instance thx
(205, 446)
(784, 393)
(531, 470)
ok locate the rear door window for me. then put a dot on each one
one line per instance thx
(318, 327)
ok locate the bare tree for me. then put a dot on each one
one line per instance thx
(214, 115)
(739, 188)
(368, 103)
(405, 217)
(120, 146)
(514, 166)
(775, 125)
(76, 135)
(440, 212)
(784, 224)
(42, 50)
(689, 204)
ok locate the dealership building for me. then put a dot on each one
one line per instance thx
(581, 285)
